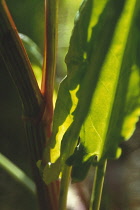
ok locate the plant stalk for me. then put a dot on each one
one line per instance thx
(98, 186)
(64, 188)
(49, 62)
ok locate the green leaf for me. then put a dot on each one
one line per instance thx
(99, 98)
(115, 106)
(68, 92)
(34, 55)
(16, 173)
(33, 50)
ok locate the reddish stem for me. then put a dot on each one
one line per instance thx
(49, 64)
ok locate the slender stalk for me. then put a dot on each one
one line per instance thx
(17, 173)
(47, 85)
(64, 188)
(49, 63)
(98, 186)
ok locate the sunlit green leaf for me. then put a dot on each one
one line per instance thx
(99, 98)
(115, 104)
(68, 92)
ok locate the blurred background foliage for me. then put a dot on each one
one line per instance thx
(122, 185)
(29, 18)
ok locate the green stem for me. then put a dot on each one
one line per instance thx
(98, 186)
(64, 188)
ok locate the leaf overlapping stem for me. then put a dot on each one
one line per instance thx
(98, 86)
(102, 80)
